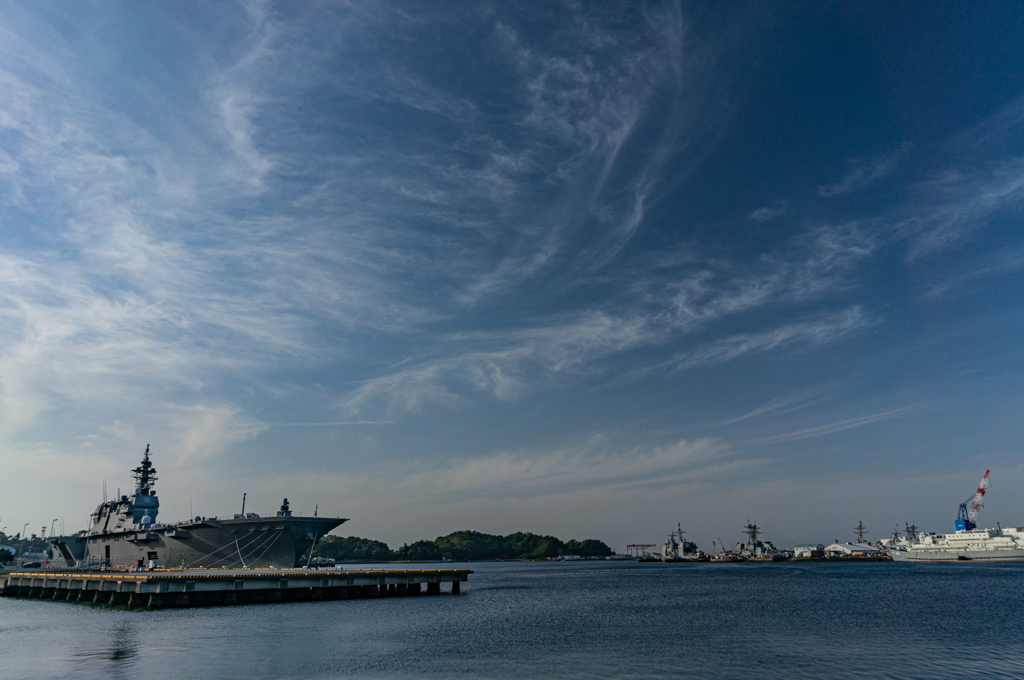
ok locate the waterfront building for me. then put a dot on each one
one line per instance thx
(851, 549)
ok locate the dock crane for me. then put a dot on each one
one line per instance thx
(965, 517)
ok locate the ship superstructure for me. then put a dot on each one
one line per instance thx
(678, 549)
(125, 532)
(754, 548)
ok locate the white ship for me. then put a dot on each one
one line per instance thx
(967, 543)
(971, 544)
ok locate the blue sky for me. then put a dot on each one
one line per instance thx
(570, 268)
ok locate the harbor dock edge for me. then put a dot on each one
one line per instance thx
(159, 589)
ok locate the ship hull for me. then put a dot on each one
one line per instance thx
(957, 555)
(279, 542)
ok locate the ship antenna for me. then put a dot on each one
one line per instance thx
(145, 474)
(752, 530)
(860, 531)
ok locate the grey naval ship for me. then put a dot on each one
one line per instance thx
(125, 532)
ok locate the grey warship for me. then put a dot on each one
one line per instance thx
(124, 532)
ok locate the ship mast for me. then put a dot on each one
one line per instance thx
(753, 531)
(144, 475)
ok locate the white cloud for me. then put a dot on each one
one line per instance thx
(594, 466)
(201, 431)
(952, 207)
(769, 213)
(509, 364)
(523, 357)
(865, 170)
(996, 264)
(814, 332)
(838, 426)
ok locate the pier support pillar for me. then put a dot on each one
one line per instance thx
(35, 591)
(137, 600)
(103, 596)
(402, 589)
(156, 601)
(414, 588)
(433, 589)
(23, 591)
(118, 599)
(60, 593)
(455, 588)
(47, 593)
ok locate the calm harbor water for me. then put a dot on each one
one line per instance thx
(568, 620)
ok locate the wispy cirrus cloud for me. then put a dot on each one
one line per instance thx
(769, 213)
(952, 207)
(866, 170)
(523, 474)
(838, 426)
(812, 332)
(507, 365)
(815, 263)
(790, 403)
(981, 184)
(995, 264)
(502, 365)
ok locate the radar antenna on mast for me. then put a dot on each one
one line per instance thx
(753, 531)
(145, 474)
(965, 519)
(860, 531)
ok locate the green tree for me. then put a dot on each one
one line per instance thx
(590, 547)
(527, 546)
(352, 549)
(461, 545)
(474, 545)
(419, 551)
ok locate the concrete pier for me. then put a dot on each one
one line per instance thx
(173, 588)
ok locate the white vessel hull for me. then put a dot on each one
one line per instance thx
(983, 545)
(956, 556)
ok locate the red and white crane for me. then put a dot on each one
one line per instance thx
(965, 519)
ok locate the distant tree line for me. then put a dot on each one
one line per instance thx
(461, 545)
(31, 544)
